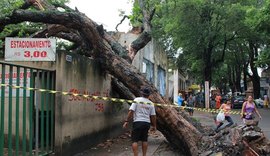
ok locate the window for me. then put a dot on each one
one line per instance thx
(161, 81)
(148, 70)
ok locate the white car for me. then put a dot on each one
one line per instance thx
(259, 103)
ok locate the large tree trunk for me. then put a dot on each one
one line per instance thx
(238, 78)
(127, 80)
(253, 54)
(175, 128)
(245, 69)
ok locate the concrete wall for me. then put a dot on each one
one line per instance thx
(81, 122)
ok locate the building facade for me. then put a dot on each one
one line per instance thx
(265, 82)
(150, 60)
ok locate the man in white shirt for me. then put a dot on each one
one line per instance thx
(143, 115)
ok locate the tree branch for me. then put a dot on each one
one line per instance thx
(116, 28)
(145, 37)
(61, 32)
(224, 48)
(73, 20)
(117, 47)
(139, 43)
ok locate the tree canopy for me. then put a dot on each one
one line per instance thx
(206, 34)
(198, 35)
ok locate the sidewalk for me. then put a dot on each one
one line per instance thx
(157, 144)
(205, 118)
(121, 146)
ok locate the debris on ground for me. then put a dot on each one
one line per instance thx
(246, 140)
(238, 140)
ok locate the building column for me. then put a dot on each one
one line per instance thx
(175, 85)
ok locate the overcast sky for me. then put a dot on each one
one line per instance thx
(104, 12)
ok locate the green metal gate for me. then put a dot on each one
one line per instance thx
(26, 113)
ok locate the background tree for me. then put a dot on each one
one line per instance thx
(262, 25)
(202, 29)
(252, 43)
(205, 31)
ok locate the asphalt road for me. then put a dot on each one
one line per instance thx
(264, 124)
(208, 119)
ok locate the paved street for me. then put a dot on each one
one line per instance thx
(157, 143)
(264, 124)
(208, 119)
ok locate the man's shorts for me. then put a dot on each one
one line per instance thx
(140, 131)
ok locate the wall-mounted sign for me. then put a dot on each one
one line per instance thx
(30, 49)
(69, 58)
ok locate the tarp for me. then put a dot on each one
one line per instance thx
(194, 87)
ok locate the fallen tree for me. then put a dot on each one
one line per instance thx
(94, 41)
(98, 44)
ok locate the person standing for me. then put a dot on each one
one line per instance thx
(190, 104)
(226, 108)
(265, 101)
(143, 116)
(218, 101)
(180, 100)
(248, 110)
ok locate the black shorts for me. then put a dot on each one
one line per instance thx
(190, 110)
(140, 131)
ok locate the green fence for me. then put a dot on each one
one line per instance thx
(26, 116)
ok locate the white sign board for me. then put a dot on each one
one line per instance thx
(30, 49)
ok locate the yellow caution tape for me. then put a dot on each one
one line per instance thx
(116, 99)
(210, 110)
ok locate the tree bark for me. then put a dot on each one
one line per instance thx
(253, 52)
(145, 36)
(175, 128)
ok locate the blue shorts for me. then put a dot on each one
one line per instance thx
(140, 131)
